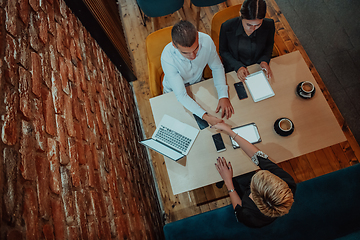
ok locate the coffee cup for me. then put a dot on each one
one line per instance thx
(284, 126)
(306, 89)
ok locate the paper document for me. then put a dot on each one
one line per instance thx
(259, 87)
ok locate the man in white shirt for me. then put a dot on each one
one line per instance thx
(183, 62)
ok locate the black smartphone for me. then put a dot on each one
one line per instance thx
(240, 90)
(219, 143)
(201, 122)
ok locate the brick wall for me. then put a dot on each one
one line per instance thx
(70, 163)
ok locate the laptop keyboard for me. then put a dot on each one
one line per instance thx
(173, 139)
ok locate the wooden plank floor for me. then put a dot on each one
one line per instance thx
(301, 168)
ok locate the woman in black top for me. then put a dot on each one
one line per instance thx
(247, 39)
(260, 197)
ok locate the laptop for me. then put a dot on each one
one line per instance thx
(172, 138)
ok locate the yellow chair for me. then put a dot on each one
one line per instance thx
(155, 44)
(226, 14)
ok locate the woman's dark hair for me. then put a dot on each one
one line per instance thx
(184, 34)
(253, 9)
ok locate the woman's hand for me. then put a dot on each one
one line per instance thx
(212, 120)
(266, 67)
(225, 170)
(242, 73)
(223, 127)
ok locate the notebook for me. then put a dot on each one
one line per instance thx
(249, 132)
(259, 87)
(172, 138)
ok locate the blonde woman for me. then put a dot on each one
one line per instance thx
(259, 197)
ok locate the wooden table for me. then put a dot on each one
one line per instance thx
(315, 125)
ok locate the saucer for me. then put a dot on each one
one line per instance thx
(281, 132)
(302, 95)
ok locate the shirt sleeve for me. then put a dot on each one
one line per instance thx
(177, 85)
(224, 49)
(218, 72)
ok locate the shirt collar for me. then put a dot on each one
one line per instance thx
(241, 31)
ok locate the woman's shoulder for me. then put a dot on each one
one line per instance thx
(232, 23)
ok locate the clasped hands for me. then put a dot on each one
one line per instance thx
(226, 108)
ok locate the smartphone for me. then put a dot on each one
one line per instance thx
(240, 90)
(219, 143)
(201, 122)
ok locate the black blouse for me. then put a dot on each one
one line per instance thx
(237, 49)
(248, 213)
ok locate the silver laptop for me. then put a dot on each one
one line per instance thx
(172, 138)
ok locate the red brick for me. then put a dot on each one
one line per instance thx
(63, 8)
(93, 230)
(48, 232)
(74, 163)
(30, 214)
(10, 191)
(90, 211)
(49, 112)
(84, 177)
(59, 39)
(34, 4)
(68, 114)
(81, 214)
(100, 195)
(43, 27)
(27, 166)
(122, 227)
(77, 85)
(81, 152)
(57, 93)
(46, 67)
(63, 75)
(34, 32)
(53, 54)
(58, 219)
(50, 18)
(52, 155)
(84, 127)
(78, 130)
(39, 125)
(83, 82)
(24, 93)
(42, 5)
(58, 16)
(72, 232)
(36, 74)
(106, 234)
(77, 47)
(42, 169)
(95, 156)
(90, 165)
(76, 107)
(69, 66)
(24, 51)
(88, 113)
(67, 196)
(9, 128)
(11, 17)
(11, 54)
(60, 125)
(73, 51)
(14, 234)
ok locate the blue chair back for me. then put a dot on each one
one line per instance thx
(159, 8)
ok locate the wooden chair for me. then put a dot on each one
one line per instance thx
(204, 3)
(226, 14)
(155, 44)
(159, 8)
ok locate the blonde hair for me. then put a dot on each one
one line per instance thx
(271, 194)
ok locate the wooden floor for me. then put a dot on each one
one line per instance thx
(301, 168)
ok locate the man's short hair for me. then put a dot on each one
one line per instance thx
(184, 34)
(271, 194)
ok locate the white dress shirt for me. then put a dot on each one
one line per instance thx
(179, 71)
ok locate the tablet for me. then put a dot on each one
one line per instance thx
(249, 132)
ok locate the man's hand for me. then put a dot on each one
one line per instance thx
(266, 67)
(212, 120)
(242, 73)
(227, 108)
